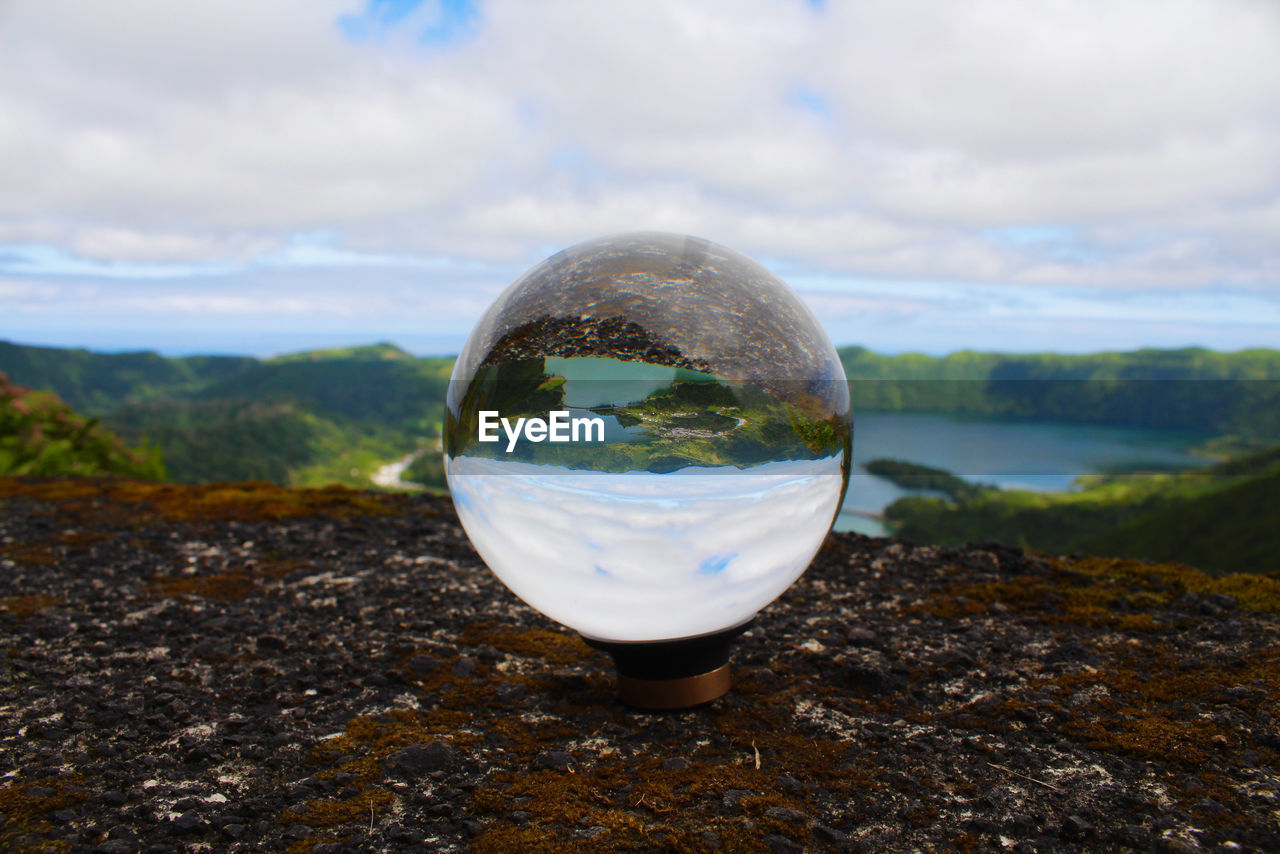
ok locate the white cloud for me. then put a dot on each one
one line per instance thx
(1000, 78)
(1104, 184)
(13, 292)
(127, 244)
(140, 138)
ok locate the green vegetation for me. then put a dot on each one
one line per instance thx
(404, 393)
(1214, 518)
(915, 476)
(305, 419)
(41, 435)
(96, 383)
(1228, 529)
(380, 352)
(337, 415)
(1192, 389)
(427, 469)
(274, 439)
(692, 420)
(1230, 447)
(1219, 519)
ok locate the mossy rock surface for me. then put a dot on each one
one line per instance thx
(244, 667)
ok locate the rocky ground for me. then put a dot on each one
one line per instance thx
(251, 668)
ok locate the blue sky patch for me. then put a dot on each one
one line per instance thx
(809, 99)
(458, 19)
(452, 20)
(568, 157)
(1056, 242)
(38, 259)
(377, 17)
(1032, 235)
(716, 564)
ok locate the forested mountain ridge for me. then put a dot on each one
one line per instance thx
(1190, 389)
(301, 419)
(310, 417)
(95, 383)
(338, 415)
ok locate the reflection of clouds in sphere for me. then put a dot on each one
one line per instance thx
(644, 556)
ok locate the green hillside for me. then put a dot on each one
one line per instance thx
(1190, 389)
(1219, 519)
(1231, 529)
(276, 440)
(96, 383)
(404, 393)
(337, 415)
(303, 419)
(379, 352)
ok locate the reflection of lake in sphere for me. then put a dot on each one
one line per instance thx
(725, 443)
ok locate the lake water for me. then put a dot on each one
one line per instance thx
(1009, 454)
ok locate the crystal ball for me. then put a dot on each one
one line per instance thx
(648, 437)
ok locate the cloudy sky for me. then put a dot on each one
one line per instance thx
(249, 176)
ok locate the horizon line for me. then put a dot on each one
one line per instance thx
(161, 352)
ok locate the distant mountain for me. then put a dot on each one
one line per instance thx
(1190, 389)
(303, 419)
(382, 351)
(339, 414)
(98, 382)
(403, 393)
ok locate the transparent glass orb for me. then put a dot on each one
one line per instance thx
(685, 443)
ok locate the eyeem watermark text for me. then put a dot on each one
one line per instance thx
(559, 427)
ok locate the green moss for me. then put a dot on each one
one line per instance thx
(554, 647)
(1143, 710)
(56, 489)
(26, 606)
(25, 824)
(251, 501)
(1119, 593)
(638, 805)
(637, 800)
(223, 587)
(1145, 705)
(1167, 581)
(29, 554)
(247, 501)
(306, 846)
(331, 812)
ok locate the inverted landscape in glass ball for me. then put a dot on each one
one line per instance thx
(647, 437)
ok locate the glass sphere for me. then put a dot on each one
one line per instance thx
(647, 437)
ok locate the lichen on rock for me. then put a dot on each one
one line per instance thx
(243, 667)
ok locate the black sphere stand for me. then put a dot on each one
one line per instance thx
(672, 674)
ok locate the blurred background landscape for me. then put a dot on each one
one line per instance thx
(1046, 238)
(1166, 454)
